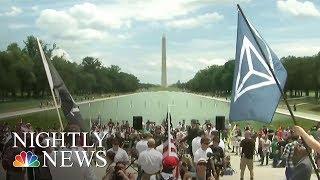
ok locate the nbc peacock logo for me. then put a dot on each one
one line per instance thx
(26, 160)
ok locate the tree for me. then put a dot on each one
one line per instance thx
(32, 49)
(21, 70)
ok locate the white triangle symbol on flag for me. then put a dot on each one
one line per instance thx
(246, 49)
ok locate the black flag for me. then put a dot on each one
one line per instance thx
(70, 109)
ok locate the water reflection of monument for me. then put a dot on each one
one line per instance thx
(164, 63)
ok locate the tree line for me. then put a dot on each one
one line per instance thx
(22, 73)
(303, 77)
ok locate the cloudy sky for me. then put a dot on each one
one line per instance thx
(128, 33)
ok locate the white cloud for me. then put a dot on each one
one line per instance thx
(61, 25)
(297, 47)
(195, 21)
(122, 13)
(88, 14)
(57, 20)
(163, 9)
(209, 62)
(35, 8)
(61, 53)
(88, 29)
(179, 64)
(13, 12)
(298, 8)
(18, 26)
(124, 36)
(87, 21)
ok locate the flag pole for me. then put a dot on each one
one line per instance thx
(280, 89)
(169, 127)
(89, 104)
(48, 73)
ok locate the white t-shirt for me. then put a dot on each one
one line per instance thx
(201, 154)
(196, 144)
(142, 145)
(150, 161)
(221, 144)
(121, 155)
(266, 145)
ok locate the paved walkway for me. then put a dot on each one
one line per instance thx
(260, 172)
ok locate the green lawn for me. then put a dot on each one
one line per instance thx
(22, 103)
(285, 122)
(305, 104)
(45, 120)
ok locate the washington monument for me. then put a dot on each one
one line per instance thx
(164, 63)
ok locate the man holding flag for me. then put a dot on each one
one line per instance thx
(259, 78)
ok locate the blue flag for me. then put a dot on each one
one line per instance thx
(255, 94)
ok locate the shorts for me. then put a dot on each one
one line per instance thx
(246, 162)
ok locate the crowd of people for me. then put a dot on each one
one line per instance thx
(195, 151)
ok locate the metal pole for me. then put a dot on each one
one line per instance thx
(280, 89)
(90, 112)
(169, 129)
(57, 109)
(48, 73)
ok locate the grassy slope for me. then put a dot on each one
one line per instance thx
(22, 104)
(306, 104)
(18, 105)
(45, 120)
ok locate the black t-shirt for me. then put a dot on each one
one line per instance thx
(218, 154)
(192, 133)
(247, 148)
